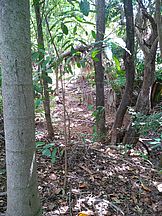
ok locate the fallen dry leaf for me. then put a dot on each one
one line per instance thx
(144, 187)
(159, 187)
(86, 213)
(53, 176)
(82, 186)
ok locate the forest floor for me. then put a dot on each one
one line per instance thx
(102, 180)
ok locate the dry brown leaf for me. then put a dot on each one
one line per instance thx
(144, 187)
(58, 190)
(75, 191)
(82, 185)
(134, 199)
(86, 213)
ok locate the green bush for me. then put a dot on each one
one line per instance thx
(147, 123)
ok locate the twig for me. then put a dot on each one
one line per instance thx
(65, 132)
(69, 132)
(69, 200)
(114, 206)
(87, 170)
(64, 104)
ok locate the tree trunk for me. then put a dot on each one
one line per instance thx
(143, 102)
(46, 99)
(130, 73)
(159, 26)
(149, 48)
(99, 69)
(18, 109)
(159, 22)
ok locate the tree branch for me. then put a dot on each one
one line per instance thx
(141, 42)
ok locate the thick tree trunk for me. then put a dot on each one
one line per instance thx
(18, 109)
(99, 69)
(149, 48)
(130, 73)
(143, 101)
(46, 98)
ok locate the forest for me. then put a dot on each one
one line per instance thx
(80, 107)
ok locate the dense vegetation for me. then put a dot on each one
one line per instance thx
(92, 73)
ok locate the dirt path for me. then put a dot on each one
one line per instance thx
(101, 181)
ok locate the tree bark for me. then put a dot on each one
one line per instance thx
(99, 69)
(149, 48)
(41, 49)
(159, 22)
(130, 73)
(18, 109)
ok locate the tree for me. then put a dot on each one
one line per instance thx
(159, 22)
(148, 44)
(130, 71)
(22, 193)
(99, 69)
(44, 76)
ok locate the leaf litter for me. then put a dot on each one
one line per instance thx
(102, 180)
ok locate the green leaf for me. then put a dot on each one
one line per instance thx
(79, 18)
(78, 65)
(59, 37)
(158, 139)
(35, 56)
(68, 69)
(90, 107)
(94, 53)
(72, 49)
(75, 30)
(46, 152)
(83, 42)
(39, 144)
(62, 152)
(66, 42)
(82, 62)
(38, 88)
(94, 114)
(154, 143)
(48, 79)
(93, 34)
(54, 152)
(38, 102)
(45, 62)
(117, 63)
(35, 2)
(49, 145)
(95, 59)
(84, 7)
(156, 146)
(64, 28)
(68, 45)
